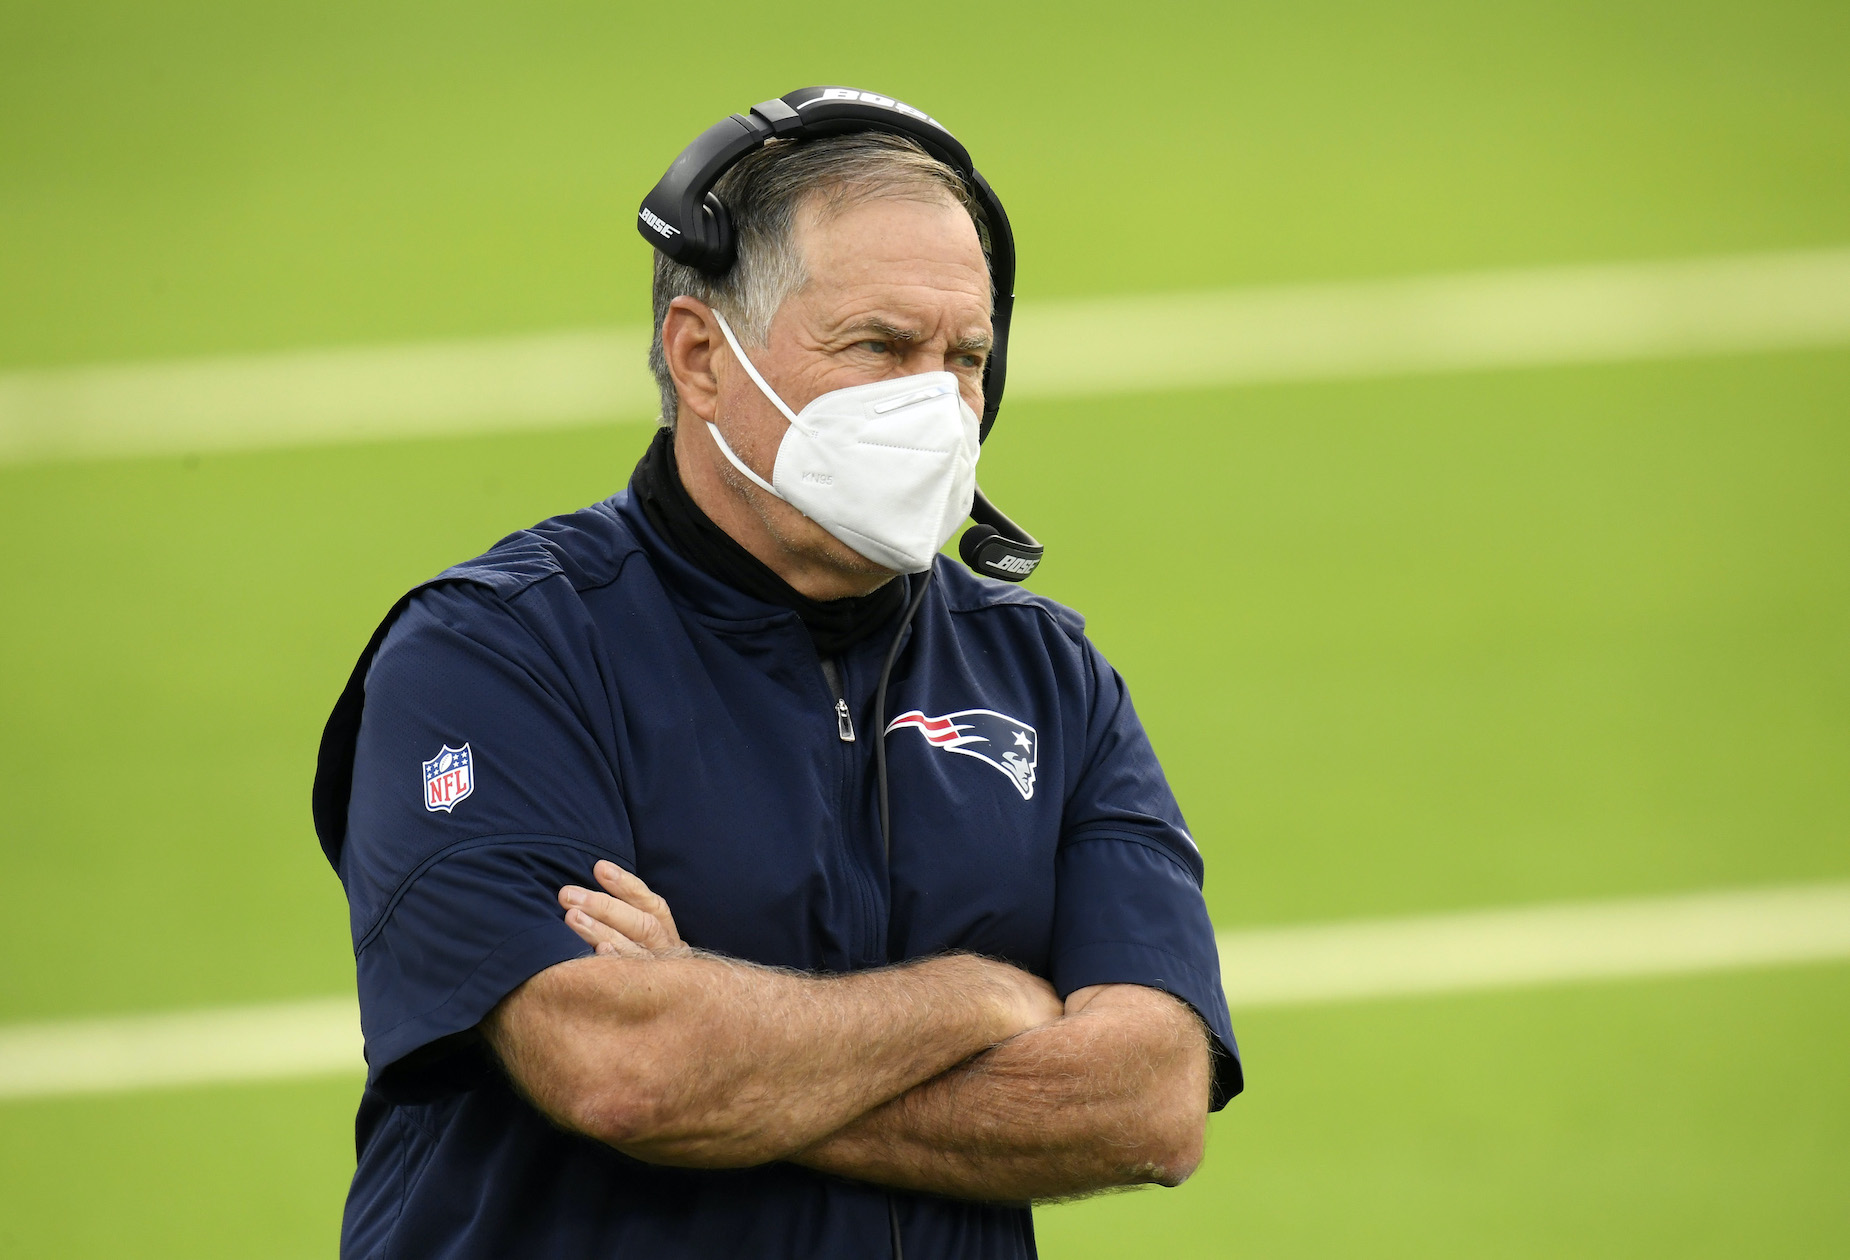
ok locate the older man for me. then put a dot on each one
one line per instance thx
(643, 970)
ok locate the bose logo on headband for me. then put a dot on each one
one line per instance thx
(656, 221)
(872, 98)
(1013, 564)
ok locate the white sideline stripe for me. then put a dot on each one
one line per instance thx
(1475, 321)
(1287, 966)
(1471, 322)
(313, 397)
(1548, 944)
(275, 1041)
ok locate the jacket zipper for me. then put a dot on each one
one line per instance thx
(844, 724)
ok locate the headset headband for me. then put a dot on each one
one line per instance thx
(683, 218)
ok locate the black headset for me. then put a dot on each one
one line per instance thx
(684, 219)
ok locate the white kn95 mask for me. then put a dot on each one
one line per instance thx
(888, 467)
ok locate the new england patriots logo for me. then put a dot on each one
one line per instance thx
(1009, 744)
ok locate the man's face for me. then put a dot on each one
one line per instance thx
(896, 288)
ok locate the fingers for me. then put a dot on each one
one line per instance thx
(627, 917)
(628, 888)
(607, 916)
(605, 939)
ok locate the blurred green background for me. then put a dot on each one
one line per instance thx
(1458, 641)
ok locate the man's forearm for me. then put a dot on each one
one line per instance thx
(1114, 1095)
(702, 1061)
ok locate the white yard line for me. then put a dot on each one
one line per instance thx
(1471, 322)
(1493, 319)
(1290, 966)
(275, 1041)
(313, 397)
(1547, 944)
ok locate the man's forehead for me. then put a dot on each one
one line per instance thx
(871, 239)
(896, 269)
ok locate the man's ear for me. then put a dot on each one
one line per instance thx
(690, 335)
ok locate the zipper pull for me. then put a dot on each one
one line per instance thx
(844, 725)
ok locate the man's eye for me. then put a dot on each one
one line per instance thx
(873, 346)
(972, 361)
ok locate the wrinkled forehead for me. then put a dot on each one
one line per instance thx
(915, 244)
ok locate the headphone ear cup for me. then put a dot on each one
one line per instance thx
(718, 246)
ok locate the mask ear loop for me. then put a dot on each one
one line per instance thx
(751, 370)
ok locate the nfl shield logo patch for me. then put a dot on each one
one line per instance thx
(448, 777)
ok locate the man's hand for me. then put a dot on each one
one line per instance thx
(629, 920)
(1111, 1090)
(626, 918)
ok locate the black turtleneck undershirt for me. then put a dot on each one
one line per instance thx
(834, 625)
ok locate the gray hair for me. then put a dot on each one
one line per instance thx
(765, 193)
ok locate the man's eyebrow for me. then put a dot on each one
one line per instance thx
(893, 332)
(883, 330)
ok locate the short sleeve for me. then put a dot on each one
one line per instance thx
(482, 783)
(1127, 881)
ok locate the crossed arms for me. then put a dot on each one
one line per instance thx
(956, 1075)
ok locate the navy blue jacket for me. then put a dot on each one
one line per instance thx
(583, 692)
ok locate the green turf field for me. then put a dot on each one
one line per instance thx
(1405, 645)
